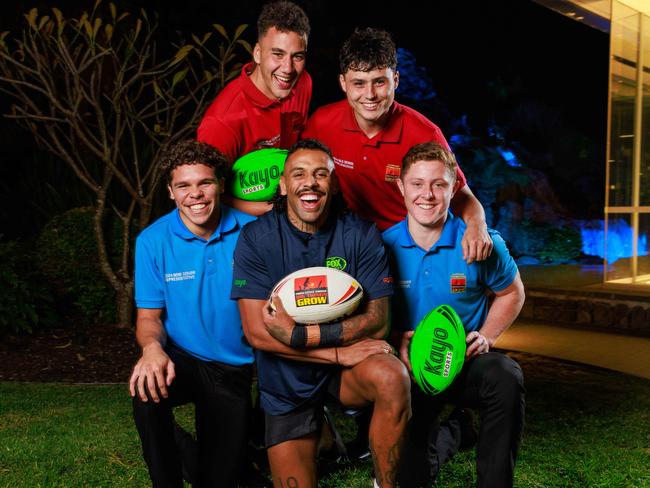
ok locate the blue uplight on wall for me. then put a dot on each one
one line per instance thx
(619, 240)
(414, 82)
(509, 157)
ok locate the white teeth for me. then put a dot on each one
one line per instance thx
(425, 206)
(283, 79)
(309, 198)
(198, 206)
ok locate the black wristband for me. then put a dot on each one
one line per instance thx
(298, 336)
(331, 335)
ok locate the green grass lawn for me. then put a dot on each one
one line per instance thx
(585, 427)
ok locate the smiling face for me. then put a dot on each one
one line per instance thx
(196, 191)
(427, 187)
(309, 183)
(370, 94)
(280, 59)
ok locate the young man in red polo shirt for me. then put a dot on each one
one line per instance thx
(267, 105)
(369, 133)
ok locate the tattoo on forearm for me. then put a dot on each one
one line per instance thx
(365, 324)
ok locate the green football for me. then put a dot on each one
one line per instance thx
(256, 175)
(437, 351)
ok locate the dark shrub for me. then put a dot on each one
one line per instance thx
(68, 258)
(25, 301)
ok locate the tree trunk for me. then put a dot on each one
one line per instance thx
(124, 303)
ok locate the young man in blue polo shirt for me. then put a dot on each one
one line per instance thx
(429, 271)
(193, 348)
(299, 365)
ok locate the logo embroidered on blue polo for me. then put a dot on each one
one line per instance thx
(458, 283)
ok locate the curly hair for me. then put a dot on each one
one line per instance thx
(337, 204)
(284, 16)
(367, 49)
(193, 152)
(429, 151)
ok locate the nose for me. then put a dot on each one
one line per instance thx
(196, 192)
(287, 64)
(370, 91)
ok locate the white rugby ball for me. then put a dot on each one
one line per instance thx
(319, 294)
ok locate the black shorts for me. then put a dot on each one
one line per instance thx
(305, 420)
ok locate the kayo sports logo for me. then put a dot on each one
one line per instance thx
(251, 181)
(336, 262)
(440, 355)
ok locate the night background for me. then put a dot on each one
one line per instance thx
(508, 72)
(519, 91)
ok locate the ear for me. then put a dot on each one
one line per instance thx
(400, 185)
(221, 185)
(456, 188)
(257, 53)
(342, 83)
(171, 193)
(283, 186)
(396, 78)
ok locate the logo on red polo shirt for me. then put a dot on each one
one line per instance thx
(272, 142)
(311, 290)
(458, 283)
(392, 172)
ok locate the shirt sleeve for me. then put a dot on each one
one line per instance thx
(218, 134)
(374, 269)
(250, 274)
(149, 285)
(499, 270)
(460, 176)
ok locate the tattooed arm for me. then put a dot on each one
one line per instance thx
(372, 322)
(259, 337)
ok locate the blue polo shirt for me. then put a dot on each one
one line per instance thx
(425, 279)
(269, 249)
(190, 278)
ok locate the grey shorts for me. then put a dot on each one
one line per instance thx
(302, 421)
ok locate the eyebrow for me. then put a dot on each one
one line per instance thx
(303, 168)
(278, 50)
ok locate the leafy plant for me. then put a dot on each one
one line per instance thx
(25, 302)
(562, 244)
(528, 238)
(68, 259)
(548, 243)
(103, 95)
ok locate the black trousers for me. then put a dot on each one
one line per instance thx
(221, 395)
(491, 383)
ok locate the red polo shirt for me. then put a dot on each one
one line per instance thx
(368, 169)
(242, 119)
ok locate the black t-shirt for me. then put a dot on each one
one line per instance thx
(269, 249)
